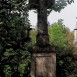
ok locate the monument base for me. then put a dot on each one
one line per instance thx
(43, 63)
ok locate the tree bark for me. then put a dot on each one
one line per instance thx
(42, 38)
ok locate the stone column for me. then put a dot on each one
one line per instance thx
(43, 60)
(42, 37)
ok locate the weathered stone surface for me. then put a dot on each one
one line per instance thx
(43, 65)
(75, 42)
(42, 39)
(42, 49)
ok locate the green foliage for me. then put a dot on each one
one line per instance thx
(61, 4)
(33, 36)
(7, 71)
(57, 35)
(66, 66)
(62, 38)
(13, 38)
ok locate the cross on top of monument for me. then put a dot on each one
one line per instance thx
(34, 4)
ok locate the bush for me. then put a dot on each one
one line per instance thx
(13, 39)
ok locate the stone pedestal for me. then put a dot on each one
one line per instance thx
(43, 64)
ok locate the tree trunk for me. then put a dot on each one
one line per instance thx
(42, 36)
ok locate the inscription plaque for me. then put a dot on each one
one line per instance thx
(43, 65)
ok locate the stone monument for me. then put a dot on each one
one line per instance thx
(43, 60)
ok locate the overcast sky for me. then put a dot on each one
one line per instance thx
(68, 14)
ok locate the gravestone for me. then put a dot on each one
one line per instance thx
(43, 60)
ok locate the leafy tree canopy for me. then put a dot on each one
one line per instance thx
(61, 37)
(61, 4)
(58, 6)
(56, 34)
